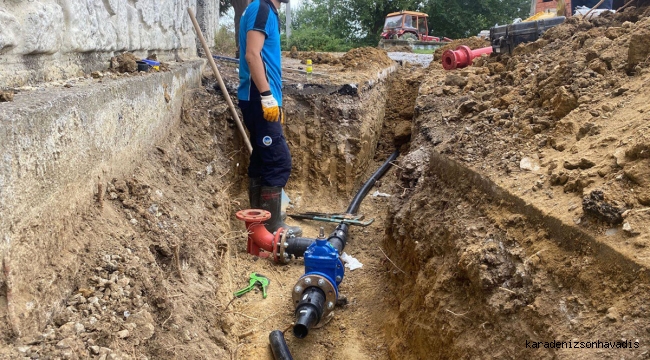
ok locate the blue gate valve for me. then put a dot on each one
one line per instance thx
(316, 292)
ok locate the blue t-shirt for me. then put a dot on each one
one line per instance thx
(261, 15)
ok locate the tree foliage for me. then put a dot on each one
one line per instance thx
(464, 18)
(360, 22)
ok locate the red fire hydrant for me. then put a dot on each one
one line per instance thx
(462, 57)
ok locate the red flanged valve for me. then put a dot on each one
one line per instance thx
(462, 57)
(258, 236)
(251, 216)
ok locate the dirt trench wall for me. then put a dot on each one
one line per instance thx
(58, 145)
(334, 137)
(482, 278)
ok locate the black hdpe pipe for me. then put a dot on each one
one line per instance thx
(311, 307)
(312, 303)
(296, 246)
(309, 311)
(338, 238)
(279, 346)
(356, 202)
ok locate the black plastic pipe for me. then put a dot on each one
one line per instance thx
(338, 238)
(297, 246)
(356, 202)
(309, 311)
(279, 346)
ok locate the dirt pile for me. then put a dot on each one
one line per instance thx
(556, 129)
(124, 63)
(359, 59)
(365, 58)
(399, 48)
(554, 108)
(473, 43)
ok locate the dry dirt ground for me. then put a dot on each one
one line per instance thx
(518, 211)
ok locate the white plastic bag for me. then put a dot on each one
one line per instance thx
(350, 262)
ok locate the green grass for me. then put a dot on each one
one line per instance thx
(423, 51)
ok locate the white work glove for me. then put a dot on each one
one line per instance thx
(270, 108)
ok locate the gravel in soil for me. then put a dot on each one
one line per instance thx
(562, 134)
(449, 271)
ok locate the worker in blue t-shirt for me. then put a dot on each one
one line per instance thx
(260, 100)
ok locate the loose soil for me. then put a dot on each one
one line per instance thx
(517, 211)
(486, 271)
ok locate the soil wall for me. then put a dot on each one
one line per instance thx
(333, 132)
(59, 147)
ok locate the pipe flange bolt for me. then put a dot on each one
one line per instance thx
(281, 253)
(320, 282)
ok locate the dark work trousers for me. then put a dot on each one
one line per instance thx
(270, 159)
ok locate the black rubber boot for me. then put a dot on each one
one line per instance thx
(271, 201)
(254, 188)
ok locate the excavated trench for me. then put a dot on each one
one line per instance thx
(468, 268)
(455, 265)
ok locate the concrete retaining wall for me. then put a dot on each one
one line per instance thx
(55, 146)
(49, 39)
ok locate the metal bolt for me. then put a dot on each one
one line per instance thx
(321, 233)
(330, 305)
(286, 256)
(286, 244)
(308, 281)
(338, 279)
(297, 289)
(321, 282)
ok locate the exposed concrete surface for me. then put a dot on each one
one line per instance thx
(421, 59)
(47, 40)
(56, 144)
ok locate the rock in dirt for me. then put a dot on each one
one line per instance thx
(643, 197)
(456, 80)
(402, 132)
(529, 164)
(144, 325)
(639, 48)
(594, 204)
(468, 106)
(563, 102)
(588, 129)
(612, 314)
(629, 229)
(6, 96)
(582, 164)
